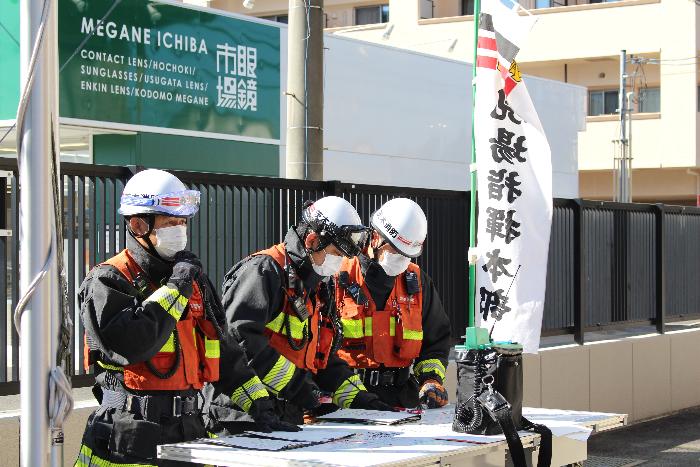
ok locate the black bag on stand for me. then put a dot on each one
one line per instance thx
(490, 399)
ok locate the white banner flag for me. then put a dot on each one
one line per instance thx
(514, 172)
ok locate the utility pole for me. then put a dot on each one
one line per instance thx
(36, 232)
(305, 90)
(622, 167)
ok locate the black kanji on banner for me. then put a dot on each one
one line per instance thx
(504, 150)
(501, 224)
(503, 110)
(496, 266)
(498, 181)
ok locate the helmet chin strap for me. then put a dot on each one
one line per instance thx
(150, 220)
(375, 249)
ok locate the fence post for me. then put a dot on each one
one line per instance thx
(335, 187)
(579, 274)
(660, 269)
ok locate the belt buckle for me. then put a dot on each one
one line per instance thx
(387, 378)
(177, 406)
(190, 405)
(374, 378)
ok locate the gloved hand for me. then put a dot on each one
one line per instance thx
(187, 269)
(308, 397)
(370, 401)
(324, 409)
(266, 420)
(433, 394)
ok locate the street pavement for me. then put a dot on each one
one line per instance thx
(664, 442)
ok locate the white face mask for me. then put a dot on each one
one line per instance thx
(170, 240)
(331, 265)
(394, 263)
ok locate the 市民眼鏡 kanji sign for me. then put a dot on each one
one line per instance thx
(157, 65)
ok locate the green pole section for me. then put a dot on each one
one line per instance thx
(472, 210)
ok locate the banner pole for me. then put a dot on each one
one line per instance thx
(472, 171)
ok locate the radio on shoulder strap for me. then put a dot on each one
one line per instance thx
(412, 285)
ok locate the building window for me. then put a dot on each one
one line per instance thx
(553, 3)
(649, 100)
(467, 7)
(372, 14)
(550, 3)
(602, 102)
(279, 18)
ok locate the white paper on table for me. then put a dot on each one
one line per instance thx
(444, 432)
(369, 416)
(307, 435)
(248, 442)
(545, 416)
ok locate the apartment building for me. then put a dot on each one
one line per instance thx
(579, 42)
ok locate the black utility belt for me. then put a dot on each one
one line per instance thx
(383, 376)
(153, 407)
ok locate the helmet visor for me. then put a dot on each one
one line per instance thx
(180, 204)
(350, 239)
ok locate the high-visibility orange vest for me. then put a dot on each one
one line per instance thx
(312, 338)
(391, 337)
(198, 345)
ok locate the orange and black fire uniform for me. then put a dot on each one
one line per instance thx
(284, 315)
(390, 324)
(153, 345)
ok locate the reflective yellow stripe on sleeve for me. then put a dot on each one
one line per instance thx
(279, 376)
(83, 457)
(345, 394)
(170, 300)
(107, 366)
(251, 390)
(169, 345)
(87, 459)
(432, 365)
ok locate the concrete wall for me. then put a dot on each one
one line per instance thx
(649, 151)
(644, 377)
(671, 184)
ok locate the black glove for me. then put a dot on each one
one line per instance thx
(266, 420)
(324, 409)
(308, 396)
(370, 401)
(187, 269)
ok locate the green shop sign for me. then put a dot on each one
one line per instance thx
(158, 66)
(9, 59)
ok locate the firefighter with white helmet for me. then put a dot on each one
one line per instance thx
(391, 313)
(152, 335)
(280, 304)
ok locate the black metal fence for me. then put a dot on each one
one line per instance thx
(614, 264)
(632, 262)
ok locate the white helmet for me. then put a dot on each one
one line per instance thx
(336, 222)
(156, 191)
(402, 223)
